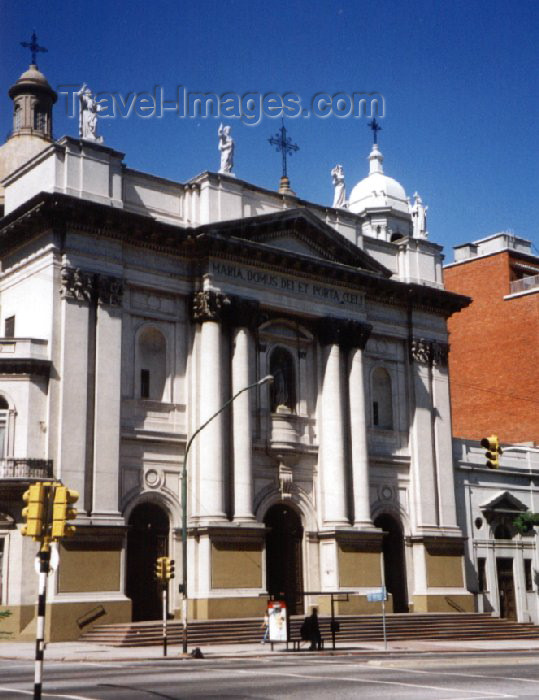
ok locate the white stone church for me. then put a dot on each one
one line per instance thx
(134, 307)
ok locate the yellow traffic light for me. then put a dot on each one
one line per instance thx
(62, 512)
(34, 512)
(493, 451)
(169, 568)
(160, 568)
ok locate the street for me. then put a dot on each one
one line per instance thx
(449, 677)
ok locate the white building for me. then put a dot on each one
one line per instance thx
(501, 564)
(136, 306)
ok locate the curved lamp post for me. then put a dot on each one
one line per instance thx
(268, 378)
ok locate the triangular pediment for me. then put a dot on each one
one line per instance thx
(301, 233)
(504, 503)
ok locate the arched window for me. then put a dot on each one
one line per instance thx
(283, 388)
(152, 364)
(17, 118)
(40, 118)
(382, 399)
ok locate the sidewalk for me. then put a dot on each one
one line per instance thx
(79, 651)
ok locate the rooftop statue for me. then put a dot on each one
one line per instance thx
(419, 217)
(88, 109)
(226, 146)
(338, 182)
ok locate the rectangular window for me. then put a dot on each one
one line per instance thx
(528, 574)
(9, 327)
(375, 413)
(144, 383)
(481, 574)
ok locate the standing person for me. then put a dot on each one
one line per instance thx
(313, 631)
(265, 626)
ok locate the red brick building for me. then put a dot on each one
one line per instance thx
(494, 358)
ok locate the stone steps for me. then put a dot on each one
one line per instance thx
(353, 628)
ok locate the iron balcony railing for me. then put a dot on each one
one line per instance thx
(25, 468)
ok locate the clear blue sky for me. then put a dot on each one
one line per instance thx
(459, 79)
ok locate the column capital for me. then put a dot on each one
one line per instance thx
(344, 332)
(244, 313)
(109, 290)
(431, 352)
(77, 285)
(90, 287)
(208, 305)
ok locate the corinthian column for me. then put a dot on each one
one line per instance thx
(358, 426)
(244, 313)
(331, 439)
(207, 309)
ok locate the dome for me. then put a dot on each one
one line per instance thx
(377, 191)
(32, 80)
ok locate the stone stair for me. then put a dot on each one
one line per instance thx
(353, 629)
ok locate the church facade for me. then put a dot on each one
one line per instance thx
(135, 307)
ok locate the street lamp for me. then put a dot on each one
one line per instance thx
(268, 378)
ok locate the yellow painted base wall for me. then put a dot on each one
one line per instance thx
(215, 608)
(60, 620)
(14, 621)
(357, 605)
(439, 603)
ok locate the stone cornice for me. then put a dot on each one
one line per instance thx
(59, 212)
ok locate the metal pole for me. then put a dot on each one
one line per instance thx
(268, 378)
(44, 559)
(333, 622)
(164, 597)
(384, 591)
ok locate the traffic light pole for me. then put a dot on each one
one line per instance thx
(268, 378)
(164, 598)
(44, 562)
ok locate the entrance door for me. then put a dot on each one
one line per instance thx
(394, 561)
(284, 574)
(506, 588)
(147, 539)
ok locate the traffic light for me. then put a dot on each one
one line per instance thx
(160, 568)
(493, 451)
(169, 568)
(34, 512)
(62, 511)
(525, 522)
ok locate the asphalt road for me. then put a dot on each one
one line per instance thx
(487, 678)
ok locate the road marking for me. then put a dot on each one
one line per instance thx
(52, 695)
(479, 695)
(464, 675)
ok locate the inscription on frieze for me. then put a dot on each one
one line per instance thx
(270, 280)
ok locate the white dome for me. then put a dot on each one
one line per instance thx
(378, 191)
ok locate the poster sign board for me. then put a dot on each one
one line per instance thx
(277, 616)
(378, 596)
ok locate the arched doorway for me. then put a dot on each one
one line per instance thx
(394, 561)
(284, 571)
(147, 539)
